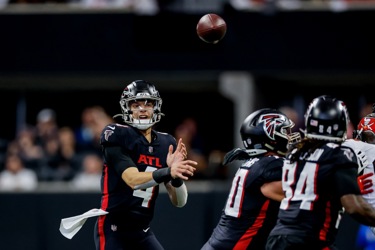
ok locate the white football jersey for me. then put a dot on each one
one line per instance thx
(366, 159)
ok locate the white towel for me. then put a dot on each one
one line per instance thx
(71, 225)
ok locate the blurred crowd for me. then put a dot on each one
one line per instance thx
(46, 152)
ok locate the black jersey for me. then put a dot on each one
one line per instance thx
(130, 208)
(313, 186)
(248, 216)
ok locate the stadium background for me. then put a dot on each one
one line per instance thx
(68, 59)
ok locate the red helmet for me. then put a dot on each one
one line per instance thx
(366, 129)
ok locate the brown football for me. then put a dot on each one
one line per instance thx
(211, 28)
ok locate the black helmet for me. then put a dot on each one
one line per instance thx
(140, 90)
(267, 130)
(326, 119)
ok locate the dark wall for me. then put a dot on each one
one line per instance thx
(113, 41)
(69, 60)
(32, 221)
(48, 58)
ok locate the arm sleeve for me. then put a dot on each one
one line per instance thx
(180, 191)
(181, 195)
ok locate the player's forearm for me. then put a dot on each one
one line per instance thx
(359, 209)
(154, 178)
(136, 179)
(365, 216)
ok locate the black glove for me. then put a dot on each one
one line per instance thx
(236, 154)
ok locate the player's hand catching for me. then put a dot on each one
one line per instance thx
(365, 183)
(180, 166)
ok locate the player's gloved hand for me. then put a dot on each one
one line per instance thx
(235, 154)
(365, 183)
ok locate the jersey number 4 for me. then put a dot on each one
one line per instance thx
(145, 194)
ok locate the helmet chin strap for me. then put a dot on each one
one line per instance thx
(142, 121)
(142, 124)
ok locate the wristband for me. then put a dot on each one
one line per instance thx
(162, 175)
(177, 182)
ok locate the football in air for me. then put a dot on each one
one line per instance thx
(211, 28)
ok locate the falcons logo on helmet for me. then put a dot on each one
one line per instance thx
(126, 92)
(270, 121)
